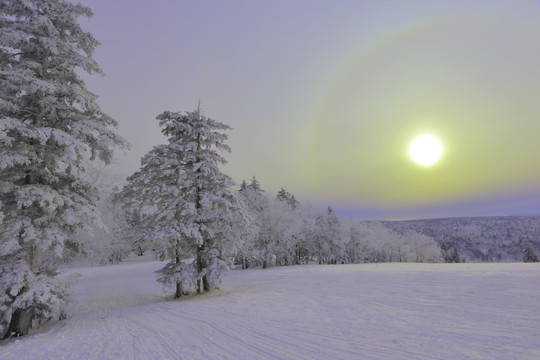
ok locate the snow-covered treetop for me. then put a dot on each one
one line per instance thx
(255, 186)
(43, 101)
(50, 124)
(45, 28)
(182, 178)
(284, 195)
(243, 186)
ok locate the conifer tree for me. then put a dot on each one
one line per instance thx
(529, 255)
(255, 186)
(284, 195)
(186, 201)
(453, 256)
(243, 186)
(50, 125)
(329, 239)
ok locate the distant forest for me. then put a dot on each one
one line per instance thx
(485, 239)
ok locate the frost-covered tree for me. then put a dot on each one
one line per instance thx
(304, 224)
(329, 239)
(529, 255)
(423, 248)
(377, 243)
(450, 255)
(112, 243)
(491, 238)
(279, 228)
(254, 185)
(286, 197)
(186, 201)
(283, 195)
(253, 198)
(275, 227)
(352, 249)
(243, 186)
(49, 125)
(254, 202)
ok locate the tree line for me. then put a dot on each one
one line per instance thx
(269, 230)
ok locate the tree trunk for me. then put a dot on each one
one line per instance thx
(4, 325)
(21, 321)
(178, 292)
(200, 282)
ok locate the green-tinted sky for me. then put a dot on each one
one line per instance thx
(325, 96)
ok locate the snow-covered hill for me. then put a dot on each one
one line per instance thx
(486, 239)
(367, 311)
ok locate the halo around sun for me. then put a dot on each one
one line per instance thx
(425, 150)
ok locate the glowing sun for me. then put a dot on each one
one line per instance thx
(425, 150)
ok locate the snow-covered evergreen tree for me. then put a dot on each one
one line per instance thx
(49, 125)
(274, 229)
(529, 255)
(352, 249)
(330, 242)
(285, 196)
(253, 198)
(109, 244)
(254, 201)
(243, 186)
(423, 248)
(279, 229)
(450, 255)
(255, 186)
(186, 202)
(305, 235)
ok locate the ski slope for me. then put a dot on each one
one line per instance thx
(367, 311)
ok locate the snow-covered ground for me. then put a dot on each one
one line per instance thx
(368, 311)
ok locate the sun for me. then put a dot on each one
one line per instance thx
(425, 150)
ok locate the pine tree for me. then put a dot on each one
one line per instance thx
(254, 185)
(452, 256)
(253, 197)
(529, 255)
(278, 229)
(330, 241)
(285, 196)
(50, 125)
(186, 201)
(243, 186)
(352, 249)
(254, 202)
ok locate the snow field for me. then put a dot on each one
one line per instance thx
(367, 311)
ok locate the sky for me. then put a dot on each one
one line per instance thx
(324, 97)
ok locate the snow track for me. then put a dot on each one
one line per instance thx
(386, 311)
